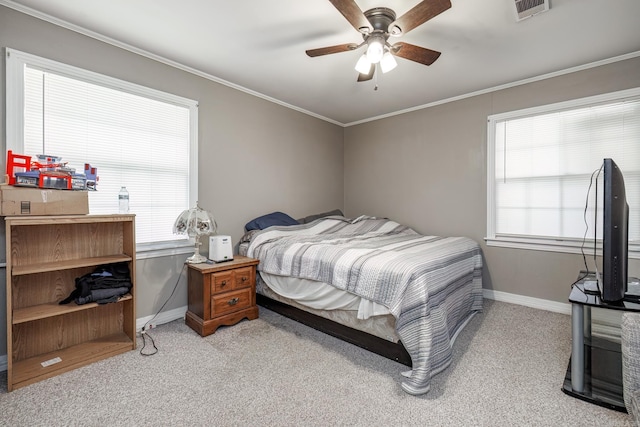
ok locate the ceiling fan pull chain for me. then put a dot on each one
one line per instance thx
(375, 76)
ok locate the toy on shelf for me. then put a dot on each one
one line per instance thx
(91, 173)
(48, 172)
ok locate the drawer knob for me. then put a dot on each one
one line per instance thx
(224, 283)
(245, 278)
(233, 301)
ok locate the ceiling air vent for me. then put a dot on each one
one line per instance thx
(527, 8)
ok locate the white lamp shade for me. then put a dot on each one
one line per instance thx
(363, 65)
(388, 62)
(375, 50)
(195, 222)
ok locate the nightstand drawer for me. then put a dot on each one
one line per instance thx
(221, 282)
(243, 277)
(230, 302)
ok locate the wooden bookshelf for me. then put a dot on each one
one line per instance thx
(44, 256)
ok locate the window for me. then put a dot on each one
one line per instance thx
(136, 137)
(540, 166)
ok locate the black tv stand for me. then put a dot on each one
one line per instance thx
(594, 373)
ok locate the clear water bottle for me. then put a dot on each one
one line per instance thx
(123, 201)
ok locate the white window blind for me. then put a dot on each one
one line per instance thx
(542, 161)
(135, 137)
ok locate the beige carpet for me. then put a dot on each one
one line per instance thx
(509, 365)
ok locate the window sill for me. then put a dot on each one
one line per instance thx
(158, 250)
(564, 246)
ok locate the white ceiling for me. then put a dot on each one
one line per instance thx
(259, 45)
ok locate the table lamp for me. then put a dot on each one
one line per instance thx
(195, 222)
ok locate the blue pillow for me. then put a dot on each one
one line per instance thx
(275, 218)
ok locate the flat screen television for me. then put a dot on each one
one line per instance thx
(615, 238)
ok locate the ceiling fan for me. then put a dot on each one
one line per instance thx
(376, 26)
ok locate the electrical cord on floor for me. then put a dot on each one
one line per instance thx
(144, 344)
(144, 331)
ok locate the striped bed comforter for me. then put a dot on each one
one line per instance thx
(430, 284)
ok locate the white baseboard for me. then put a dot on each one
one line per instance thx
(541, 304)
(161, 318)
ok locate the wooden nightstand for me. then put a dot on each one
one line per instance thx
(221, 294)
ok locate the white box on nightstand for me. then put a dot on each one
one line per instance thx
(220, 248)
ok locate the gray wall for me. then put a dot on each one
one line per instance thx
(254, 156)
(427, 169)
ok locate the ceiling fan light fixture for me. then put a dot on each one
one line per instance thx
(377, 24)
(388, 62)
(363, 65)
(375, 50)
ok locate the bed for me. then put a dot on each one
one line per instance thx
(371, 281)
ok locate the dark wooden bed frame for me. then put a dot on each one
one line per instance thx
(393, 351)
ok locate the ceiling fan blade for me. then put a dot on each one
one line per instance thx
(415, 53)
(331, 49)
(353, 13)
(365, 77)
(420, 14)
